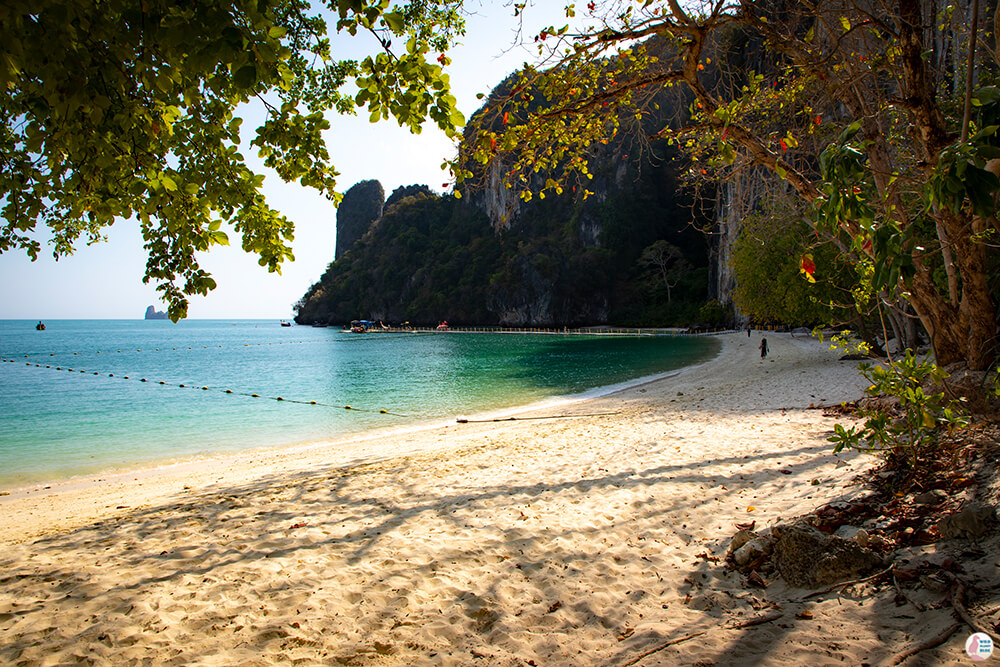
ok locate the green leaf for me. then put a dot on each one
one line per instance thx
(246, 76)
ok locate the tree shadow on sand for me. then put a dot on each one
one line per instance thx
(408, 560)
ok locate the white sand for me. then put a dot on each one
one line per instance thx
(589, 540)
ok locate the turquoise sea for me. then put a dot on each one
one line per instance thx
(89, 395)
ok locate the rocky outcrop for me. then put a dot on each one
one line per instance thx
(362, 205)
(802, 555)
(404, 191)
(154, 314)
(807, 558)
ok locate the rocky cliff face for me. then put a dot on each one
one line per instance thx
(362, 205)
(490, 258)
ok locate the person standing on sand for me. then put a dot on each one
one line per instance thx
(763, 348)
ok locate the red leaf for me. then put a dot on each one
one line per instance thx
(807, 265)
(784, 146)
(506, 115)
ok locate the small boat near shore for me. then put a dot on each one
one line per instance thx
(39, 326)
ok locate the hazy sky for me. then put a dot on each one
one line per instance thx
(105, 280)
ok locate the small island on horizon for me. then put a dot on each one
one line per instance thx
(154, 314)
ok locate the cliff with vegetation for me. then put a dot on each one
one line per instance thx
(563, 261)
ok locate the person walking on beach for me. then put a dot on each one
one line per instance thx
(763, 348)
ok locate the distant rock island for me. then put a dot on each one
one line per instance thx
(154, 314)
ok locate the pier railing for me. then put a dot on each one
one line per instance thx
(590, 331)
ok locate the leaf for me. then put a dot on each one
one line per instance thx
(807, 266)
(246, 76)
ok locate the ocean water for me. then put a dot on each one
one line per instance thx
(90, 395)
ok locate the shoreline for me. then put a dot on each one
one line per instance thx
(147, 483)
(79, 468)
(12, 490)
(583, 540)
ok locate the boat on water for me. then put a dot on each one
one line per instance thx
(39, 326)
(285, 323)
(361, 326)
(443, 326)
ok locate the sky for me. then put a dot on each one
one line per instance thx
(104, 280)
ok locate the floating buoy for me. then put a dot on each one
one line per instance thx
(312, 402)
(204, 388)
(229, 391)
(111, 375)
(255, 395)
(279, 399)
(347, 407)
(384, 412)
(142, 379)
(180, 385)
(162, 382)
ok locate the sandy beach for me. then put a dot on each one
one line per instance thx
(587, 533)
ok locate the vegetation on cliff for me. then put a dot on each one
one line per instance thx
(565, 262)
(879, 116)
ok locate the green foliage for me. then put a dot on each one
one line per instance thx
(766, 267)
(857, 117)
(115, 110)
(914, 425)
(714, 313)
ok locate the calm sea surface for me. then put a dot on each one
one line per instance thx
(89, 395)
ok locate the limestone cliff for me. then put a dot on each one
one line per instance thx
(362, 205)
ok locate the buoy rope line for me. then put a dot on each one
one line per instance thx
(185, 385)
(463, 420)
(170, 349)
